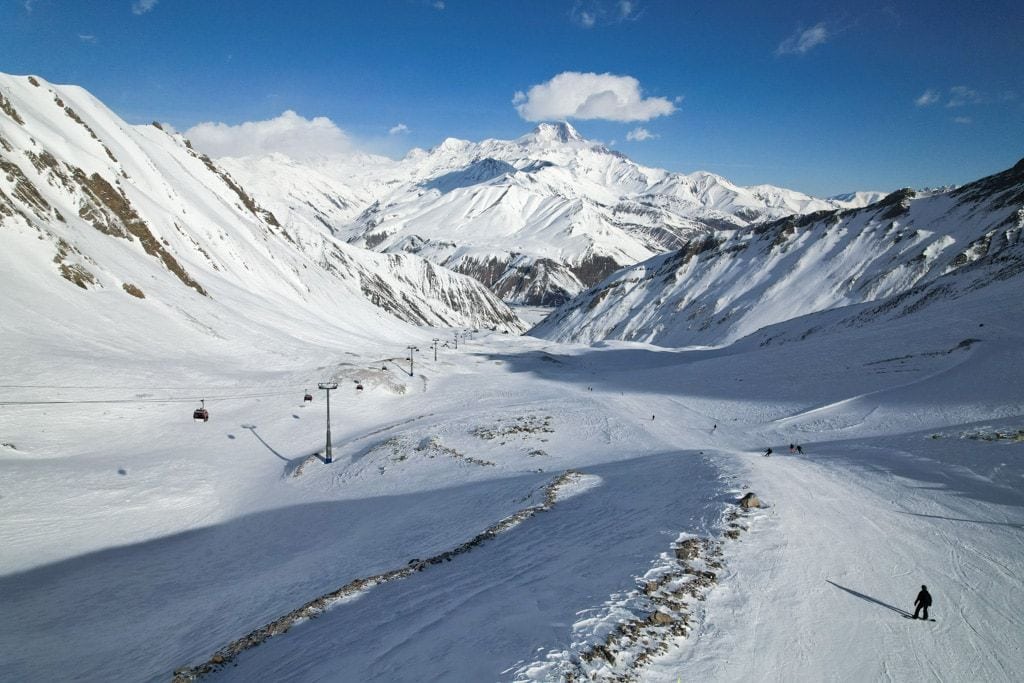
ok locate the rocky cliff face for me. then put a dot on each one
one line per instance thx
(92, 205)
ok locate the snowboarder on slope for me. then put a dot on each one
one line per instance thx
(767, 452)
(923, 602)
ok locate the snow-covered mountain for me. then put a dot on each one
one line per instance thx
(510, 512)
(536, 219)
(903, 252)
(103, 221)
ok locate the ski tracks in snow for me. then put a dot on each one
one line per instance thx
(877, 537)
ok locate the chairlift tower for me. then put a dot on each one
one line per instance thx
(435, 348)
(411, 350)
(327, 386)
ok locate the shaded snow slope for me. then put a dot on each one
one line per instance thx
(138, 542)
(98, 214)
(537, 219)
(902, 252)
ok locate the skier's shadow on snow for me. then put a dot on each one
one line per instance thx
(870, 599)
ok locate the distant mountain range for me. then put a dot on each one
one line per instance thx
(537, 219)
(131, 226)
(894, 257)
(102, 220)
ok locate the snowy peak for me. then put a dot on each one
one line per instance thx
(541, 217)
(560, 132)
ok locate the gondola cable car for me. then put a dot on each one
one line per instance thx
(201, 413)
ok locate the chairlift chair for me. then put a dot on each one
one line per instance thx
(359, 386)
(308, 398)
(201, 413)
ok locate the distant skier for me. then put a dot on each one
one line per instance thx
(799, 450)
(792, 448)
(713, 428)
(767, 452)
(652, 418)
(923, 602)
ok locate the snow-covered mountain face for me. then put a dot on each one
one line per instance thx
(903, 253)
(537, 219)
(103, 221)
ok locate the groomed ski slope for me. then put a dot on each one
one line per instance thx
(137, 542)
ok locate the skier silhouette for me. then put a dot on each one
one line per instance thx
(767, 452)
(923, 602)
(800, 450)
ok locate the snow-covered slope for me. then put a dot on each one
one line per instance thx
(98, 216)
(536, 219)
(903, 251)
(514, 509)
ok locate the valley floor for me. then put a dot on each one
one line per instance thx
(137, 542)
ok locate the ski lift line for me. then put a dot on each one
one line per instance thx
(172, 399)
(140, 388)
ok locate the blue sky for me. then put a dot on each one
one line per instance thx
(815, 96)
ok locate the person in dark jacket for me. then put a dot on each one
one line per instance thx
(767, 452)
(923, 602)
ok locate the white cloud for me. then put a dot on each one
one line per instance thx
(927, 97)
(960, 95)
(398, 129)
(289, 134)
(802, 41)
(438, 5)
(143, 6)
(639, 134)
(87, 38)
(591, 13)
(576, 95)
(28, 4)
(963, 120)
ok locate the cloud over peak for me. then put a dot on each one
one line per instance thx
(290, 134)
(639, 134)
(576, 95)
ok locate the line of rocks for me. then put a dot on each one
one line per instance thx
(318, 606)
(635, 642)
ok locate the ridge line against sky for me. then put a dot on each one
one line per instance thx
(819, 97)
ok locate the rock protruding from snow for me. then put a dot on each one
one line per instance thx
(750, 500)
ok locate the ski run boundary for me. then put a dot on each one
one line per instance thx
(318, 606)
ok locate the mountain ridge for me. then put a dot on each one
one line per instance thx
(537, 218)
(94, 209)
(901, 252)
